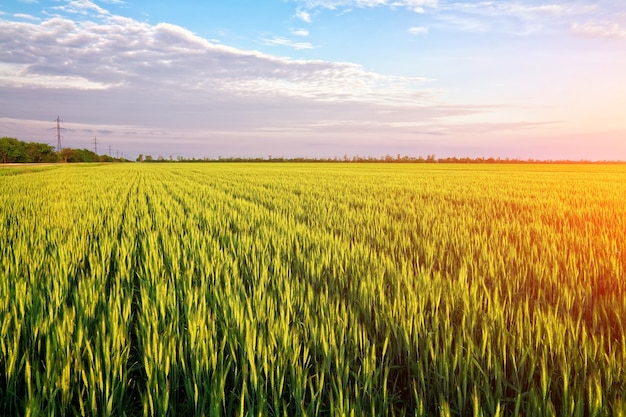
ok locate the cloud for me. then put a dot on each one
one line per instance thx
(147, 84)
(518, 17)
(300, 32)
(418, 30)
(25, 16)
(161, 86)
(516, 8)
(417, 6)
(304, 16)
(286, 42)
(600, 29)
(513, 16)
(115, 52)
(81, 7)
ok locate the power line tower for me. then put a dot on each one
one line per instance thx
(95, 145)
(59, 133)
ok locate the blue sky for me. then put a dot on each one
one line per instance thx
(523, 79)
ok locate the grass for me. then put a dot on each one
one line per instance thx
(314, 289)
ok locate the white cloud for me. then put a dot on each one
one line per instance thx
(304, 16)
(601, 29)
(81, 7)
(418, 30)
(117, 52)
(417, 6)
(300, 32)
(163, 89)
(25, 16)
(513, 16)
(505, 16)
(286, 42)
(19, 76)
(514, 8)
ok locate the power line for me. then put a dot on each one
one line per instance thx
(58, 128)
(58, 134)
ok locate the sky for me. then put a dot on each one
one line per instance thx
(541, 79)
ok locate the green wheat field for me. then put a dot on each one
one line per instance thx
(268, 289)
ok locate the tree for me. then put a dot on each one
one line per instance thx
(13, 150)
(40, 152)
(140, 158)
(79, 155)
(67, 154)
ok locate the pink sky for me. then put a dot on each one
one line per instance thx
(534, 79)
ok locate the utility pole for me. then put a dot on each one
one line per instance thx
(109, 150)
(59, 128)
(95, 145)
(58, 134)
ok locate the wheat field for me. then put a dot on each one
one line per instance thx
(319, 289)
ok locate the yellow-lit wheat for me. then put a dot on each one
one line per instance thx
(313, 289)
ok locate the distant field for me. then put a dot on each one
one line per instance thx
(15, 169)
(313, 289)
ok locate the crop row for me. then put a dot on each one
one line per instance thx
(286, 289)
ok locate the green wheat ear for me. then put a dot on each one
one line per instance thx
(313, 290)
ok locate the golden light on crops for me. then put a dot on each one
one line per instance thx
(313, 289)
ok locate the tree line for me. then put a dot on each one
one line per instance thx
(386, 159)
(16, 151)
